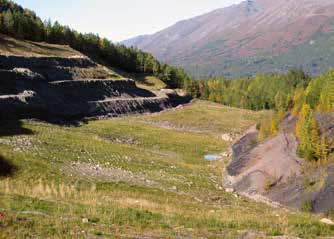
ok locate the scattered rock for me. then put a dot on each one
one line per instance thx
(225, 154)
(227, 137)
(28, 73)
(198, 200)
(327, 221)
(229, 190)
(285, 237)
(97, 167)
(85, 220)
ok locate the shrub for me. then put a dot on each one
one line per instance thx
(307, 206)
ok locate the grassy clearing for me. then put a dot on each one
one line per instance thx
(12, 46)
(129, 178)
(149, 82)
(145, 81)
(208, 117)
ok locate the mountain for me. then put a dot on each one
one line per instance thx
(253, 37)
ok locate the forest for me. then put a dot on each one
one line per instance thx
(294, 92)
(25, 24)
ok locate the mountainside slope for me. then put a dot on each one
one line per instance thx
(55, 82)
(253, 37)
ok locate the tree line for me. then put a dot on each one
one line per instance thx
(25, 24)
(294, 92)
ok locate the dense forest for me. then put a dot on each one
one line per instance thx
(25, 24)
(257, 93)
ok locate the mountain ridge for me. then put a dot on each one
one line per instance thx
(252, 32)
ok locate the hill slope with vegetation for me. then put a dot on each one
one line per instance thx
(51, 72)
(144, 176)
(22, 23)
(250, 38)
(91, 181)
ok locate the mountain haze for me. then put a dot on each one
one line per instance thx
(253, 37)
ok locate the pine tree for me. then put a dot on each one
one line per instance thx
(274, 127)
(2, 23)
(315, 149)
(303, 132)
(324, 148)
(326, 101)
(9, 22)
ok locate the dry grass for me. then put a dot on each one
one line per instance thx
(11, 46)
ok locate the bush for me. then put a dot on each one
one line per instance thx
(307, 206)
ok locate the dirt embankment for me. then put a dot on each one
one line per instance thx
(271, 172)
(71, 88)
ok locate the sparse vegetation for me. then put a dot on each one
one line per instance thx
(307, 206)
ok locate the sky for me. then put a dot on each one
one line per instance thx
(119, 20)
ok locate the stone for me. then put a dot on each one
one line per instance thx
(85, 220)
(327, 221)
(229, 190)
(225, 154)
(227, 137)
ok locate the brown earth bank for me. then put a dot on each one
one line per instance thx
(271, 171)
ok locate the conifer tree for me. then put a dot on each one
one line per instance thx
(324, 148)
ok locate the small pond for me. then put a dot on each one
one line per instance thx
(212, 157)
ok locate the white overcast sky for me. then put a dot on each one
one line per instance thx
(121, 19)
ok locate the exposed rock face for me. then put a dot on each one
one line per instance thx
(271, 162)
(271, 171)
(58, 88)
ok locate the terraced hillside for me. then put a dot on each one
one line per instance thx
(56, 82)
(133, 177)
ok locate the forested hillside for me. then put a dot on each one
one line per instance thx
(25, 24)
(294, 92)
(257, 93)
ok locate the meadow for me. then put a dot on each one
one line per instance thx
(134, 177)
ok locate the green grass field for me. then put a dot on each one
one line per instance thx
(133, 177)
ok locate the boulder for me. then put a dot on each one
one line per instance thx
(327, 221)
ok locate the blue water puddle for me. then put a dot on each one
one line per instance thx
(212, 157)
